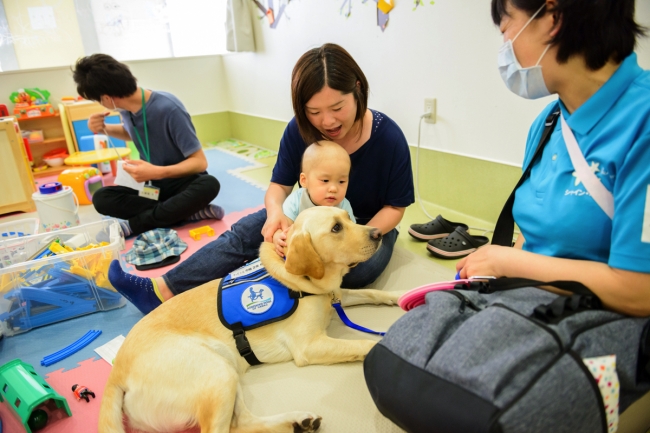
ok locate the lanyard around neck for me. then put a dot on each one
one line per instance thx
(144, 146)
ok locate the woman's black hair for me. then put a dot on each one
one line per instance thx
(100, 74)
(598, 30)
(329, 65)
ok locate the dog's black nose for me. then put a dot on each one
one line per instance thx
(376, 235)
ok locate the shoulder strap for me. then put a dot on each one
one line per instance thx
(562, 307)
(506, 224)
(592, 184)
(505, 284)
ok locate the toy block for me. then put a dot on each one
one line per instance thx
(197, 232)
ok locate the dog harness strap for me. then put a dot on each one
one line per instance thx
(344, 318)
(243, 346)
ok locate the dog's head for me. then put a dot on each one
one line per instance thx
(323, 237)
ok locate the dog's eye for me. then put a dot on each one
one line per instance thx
(337, 228)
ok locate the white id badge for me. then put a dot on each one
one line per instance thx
(151, 192)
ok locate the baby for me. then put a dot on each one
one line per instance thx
(324, 182)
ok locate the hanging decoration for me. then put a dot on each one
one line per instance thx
(269, 12)
(383, 9)
(421, 3)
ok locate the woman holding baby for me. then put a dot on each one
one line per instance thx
(330, 102)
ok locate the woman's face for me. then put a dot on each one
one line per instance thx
(531, 43)
(332, 113)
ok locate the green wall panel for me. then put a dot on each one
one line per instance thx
(468, 186)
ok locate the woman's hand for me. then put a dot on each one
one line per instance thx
(274, 222)
(486, 261)
(142, 171)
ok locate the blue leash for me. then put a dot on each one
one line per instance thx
(348, 322)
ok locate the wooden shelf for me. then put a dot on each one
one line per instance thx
(50, 171)
(48, 141)
(54, 133)
(25, 119)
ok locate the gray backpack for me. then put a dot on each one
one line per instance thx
(508, 361)
(502, 356)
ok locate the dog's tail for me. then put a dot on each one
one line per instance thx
(110, 414)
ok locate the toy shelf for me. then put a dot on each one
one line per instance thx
(53, 132)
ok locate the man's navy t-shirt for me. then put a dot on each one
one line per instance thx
(381, 172)
(172, 137)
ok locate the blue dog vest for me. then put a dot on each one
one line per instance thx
(249, 298)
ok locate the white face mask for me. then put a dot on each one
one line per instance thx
(525, 82)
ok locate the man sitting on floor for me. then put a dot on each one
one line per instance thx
(173, 164)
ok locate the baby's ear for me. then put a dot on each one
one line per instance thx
(303, 180)
(302, 258)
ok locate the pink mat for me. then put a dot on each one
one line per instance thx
(192, 245)
(92, 374)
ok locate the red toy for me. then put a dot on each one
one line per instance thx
(81, 391)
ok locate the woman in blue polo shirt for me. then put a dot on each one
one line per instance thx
(330, 102)
(583, 52)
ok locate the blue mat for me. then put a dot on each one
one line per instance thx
(235, 195)
(30, 347)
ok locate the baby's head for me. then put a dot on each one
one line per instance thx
(325, 173)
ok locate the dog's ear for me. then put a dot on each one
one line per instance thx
(302, 258)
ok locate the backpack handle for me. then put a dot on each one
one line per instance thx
(563, 306)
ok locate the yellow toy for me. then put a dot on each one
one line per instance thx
(196, 233)
(84, 181)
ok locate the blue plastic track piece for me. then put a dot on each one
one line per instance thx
(71, 349)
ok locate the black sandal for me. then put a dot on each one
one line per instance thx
(457, 245)
(434, 229)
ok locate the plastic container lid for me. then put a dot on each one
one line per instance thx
(56, 153)
(50, 188)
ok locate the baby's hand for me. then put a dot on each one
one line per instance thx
(279, 240)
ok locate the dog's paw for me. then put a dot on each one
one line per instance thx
(393, 297)
(309, 424)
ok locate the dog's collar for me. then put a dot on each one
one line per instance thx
(297, 295)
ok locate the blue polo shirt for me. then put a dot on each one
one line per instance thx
(553, 209)
(380, 175)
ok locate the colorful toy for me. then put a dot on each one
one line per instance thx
(28, 150)
(71, 349)
(84, 181)
(33, 96)
(32, 102)
(25, 391)
(37, 420)
(197, 232)
(81, 391)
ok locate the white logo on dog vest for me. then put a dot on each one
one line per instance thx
(257, 299)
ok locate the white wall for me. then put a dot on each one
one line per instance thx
(447, 50)
(199, 82)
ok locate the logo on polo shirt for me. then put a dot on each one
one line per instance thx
(257, 299)
(601, 173)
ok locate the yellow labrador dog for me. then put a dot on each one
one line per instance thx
(179, 366)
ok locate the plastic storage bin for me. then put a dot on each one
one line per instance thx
(38, 292)
(18, 228)
(35, 136)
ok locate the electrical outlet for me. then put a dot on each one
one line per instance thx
(430, 108)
